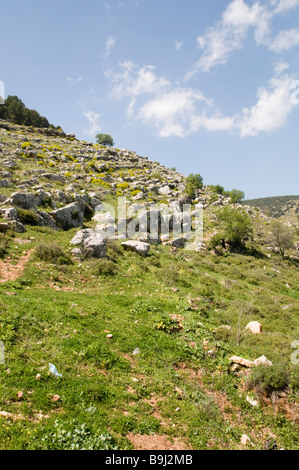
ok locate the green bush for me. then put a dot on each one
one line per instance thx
(104, 267)
(52, 253)
(27, 217)
(3, 245)
(269, 378)
(193, 183)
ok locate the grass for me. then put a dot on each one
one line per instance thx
(62, 314)
(172, 306)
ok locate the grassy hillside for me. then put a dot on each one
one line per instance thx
(287, 206)
(143, 345)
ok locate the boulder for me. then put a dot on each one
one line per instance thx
(92, 244)
(81, 236)
(141, 248)
(241, 361)
(69, 216)
(23, 200)
(263, 360)
(254, 327)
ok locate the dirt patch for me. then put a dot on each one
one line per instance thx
(156, 442)
(11, 272)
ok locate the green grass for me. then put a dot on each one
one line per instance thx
(61, 314)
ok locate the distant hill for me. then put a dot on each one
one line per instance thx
(277, 206)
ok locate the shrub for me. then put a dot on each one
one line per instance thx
(3, 245)
(104, 267)
(52, 253)
(193, 183)
(27, 217)
(269, 379)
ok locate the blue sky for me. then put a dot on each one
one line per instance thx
(206, 87)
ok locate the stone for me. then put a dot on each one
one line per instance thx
(142, 248)
(245, 440)
(241, 361)
(94, 246)
(69, 216)
(263, 360)
(254, 327)
(81, 236)
(9, 213)
(165, 190)
(23, 200)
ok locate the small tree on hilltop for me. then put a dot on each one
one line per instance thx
(236, 195)
(105, 139)
(193, 183)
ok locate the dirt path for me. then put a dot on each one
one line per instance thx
(11, 272)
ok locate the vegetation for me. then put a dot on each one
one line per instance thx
(193, 183)
(276, 206)
(235, 228)
(143, 346)
(105, 139)
(280, 237)
(14, 110)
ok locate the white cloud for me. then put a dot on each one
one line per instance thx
(74, 80)
(271, 110)
(133, 81)
(109, 45)
(178, 45)
(285, 5)
(285, 40)
(174, 110)
(228, 35)
(94, 126)
(230, 32)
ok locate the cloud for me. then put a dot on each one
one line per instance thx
(109, 45)
(285, 5)
(178, 45)
(228, 35)
(94, 126)
(285, 40)
(174, 110)
(271, 110)
(74, 80)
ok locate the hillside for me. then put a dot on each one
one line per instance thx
(279, 206)
(153, 344)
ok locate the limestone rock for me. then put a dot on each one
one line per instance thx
(254, 327)
(241, 361)
(69, 216)
(141, 248)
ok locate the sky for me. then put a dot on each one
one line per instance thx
(205, 87)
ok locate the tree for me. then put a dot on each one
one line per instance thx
(105, 139)
(15, 111)
(236, 195)
(235, 228)
(193, 183)
(280, 237)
